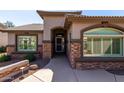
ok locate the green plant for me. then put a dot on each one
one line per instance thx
(2, 49)
(30, 57)
(5, 58)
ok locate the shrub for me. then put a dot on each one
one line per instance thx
(5, 58)
(2, 49)
(30, 57)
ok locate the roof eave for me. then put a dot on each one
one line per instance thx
(82, 18)
(22, 30)
(56, 13)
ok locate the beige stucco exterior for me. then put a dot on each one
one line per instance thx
(3, 39)
(40, 38)
(3, 36)
(69, 33)
(76, 28)
(11, 39)
(68, 27)
(51, 22)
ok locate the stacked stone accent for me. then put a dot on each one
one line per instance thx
(13, 69)
(19, 55)
(75, 49)
(47, 50)
(100, 65)
(10, 49)
(75, 53)
(10, 71)
(40, 50)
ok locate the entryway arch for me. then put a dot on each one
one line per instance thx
(58, 40)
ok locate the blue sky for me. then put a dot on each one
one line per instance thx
(21, 17)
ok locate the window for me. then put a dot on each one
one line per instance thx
(107, 46)
(26, 43)
(116, 45)
(102, 42)
(88, 45)
(96, 45)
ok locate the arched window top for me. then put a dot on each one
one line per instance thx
(103, 31)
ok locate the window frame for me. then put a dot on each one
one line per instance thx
(120, 36)
(102, 54)
(27, 51)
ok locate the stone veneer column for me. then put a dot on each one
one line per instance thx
(40, 50)
(10, 49)
(74, 52)
(47, 49)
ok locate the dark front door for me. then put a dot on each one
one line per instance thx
(59, 44)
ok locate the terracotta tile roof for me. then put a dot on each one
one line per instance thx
(85, 16)
(28, 27)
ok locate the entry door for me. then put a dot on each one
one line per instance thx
(59, 44)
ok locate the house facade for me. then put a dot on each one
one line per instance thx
(90, 42)
(24, 40)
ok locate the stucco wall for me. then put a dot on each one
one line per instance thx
(40, 38)
(3, 39)
(78, 26)
(52, 22)
(69, 39)
(11, 38)
(119, 24)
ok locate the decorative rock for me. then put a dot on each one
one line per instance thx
(34, 67)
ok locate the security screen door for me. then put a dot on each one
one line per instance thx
(59, 44)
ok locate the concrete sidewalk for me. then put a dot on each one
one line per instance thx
(62, 72)
(43, 75)
(59, 70)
